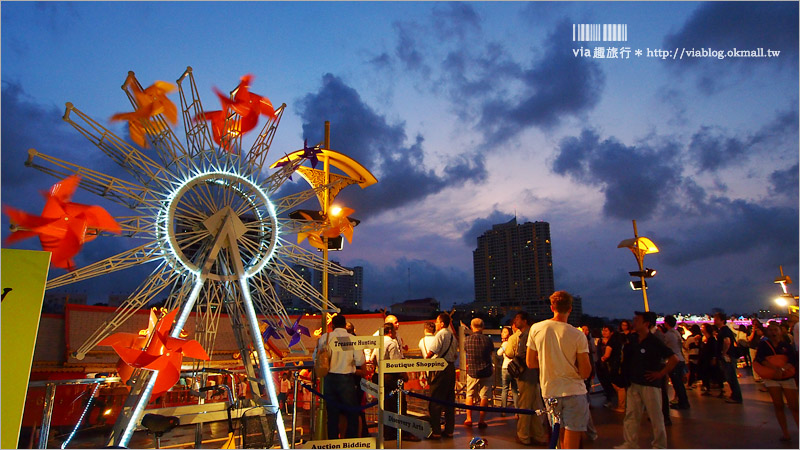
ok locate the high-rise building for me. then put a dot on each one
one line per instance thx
(346, 292)
(514, 268)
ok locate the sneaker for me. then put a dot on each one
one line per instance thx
(434, 436)
(482, 425)
(468, 423)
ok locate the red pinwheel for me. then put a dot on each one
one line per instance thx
(247, 105)
(63, 226)
(295, 331)
(151, 102)
(163, 353)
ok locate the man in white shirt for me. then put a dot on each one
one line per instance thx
(424, 344)
(339, 386)
(561, 352)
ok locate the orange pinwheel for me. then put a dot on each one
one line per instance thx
(247, 105)
(154, 350)
(63, 226)
(151, 102)
(338, 223)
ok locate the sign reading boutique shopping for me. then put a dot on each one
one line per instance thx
(413, 365)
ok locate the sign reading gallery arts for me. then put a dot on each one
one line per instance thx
(354, 443)
(413, 365)
(419, 428)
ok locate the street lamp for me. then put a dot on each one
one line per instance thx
(640, 246)
(786, 299)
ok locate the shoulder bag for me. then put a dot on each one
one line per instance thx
(322, 365)
(779, 361)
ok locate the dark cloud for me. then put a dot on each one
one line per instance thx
(741, 25)
(784, 182)
(455, 19)
(712, 149)
(415, 278)
(557, 86)
(367, 137)
(407, 49)
(734, 227)
(483, 224)
(634, 179)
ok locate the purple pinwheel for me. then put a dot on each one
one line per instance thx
(271, 332)
(283, 163)
(295, 331)
(310, 153)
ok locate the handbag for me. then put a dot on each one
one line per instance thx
(779, 361)
(516, 367)
(322, 364)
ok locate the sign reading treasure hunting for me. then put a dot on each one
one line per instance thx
(343, 343)
(369, 387)
(368, 442)
(419, 428)
(413, 365)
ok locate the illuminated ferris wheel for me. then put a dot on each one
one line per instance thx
(208, 221)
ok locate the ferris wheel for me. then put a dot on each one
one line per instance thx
(210, 224)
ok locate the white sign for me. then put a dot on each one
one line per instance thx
(368, 442)
(419, 428)
(369, 387)
(413, 365)
(344, 343)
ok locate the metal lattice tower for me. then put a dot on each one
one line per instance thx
(207, 223)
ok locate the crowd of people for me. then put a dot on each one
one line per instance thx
(634, 363)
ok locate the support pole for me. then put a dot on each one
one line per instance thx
(399, 411)
(640, 260)
(296, 375)
(47, 415)
(321, 414)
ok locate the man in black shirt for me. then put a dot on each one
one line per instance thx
(643, 363)
(728, 357)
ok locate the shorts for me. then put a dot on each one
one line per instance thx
(787, 384)
(574, 411)
(479, 386)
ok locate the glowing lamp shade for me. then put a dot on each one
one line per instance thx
(780, 301)
(642, 243)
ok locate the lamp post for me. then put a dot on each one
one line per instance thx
(786, 299)
(640, 246)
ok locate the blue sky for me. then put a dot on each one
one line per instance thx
(467, 113)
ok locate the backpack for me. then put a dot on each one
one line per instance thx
(322, 363)
(517, 366)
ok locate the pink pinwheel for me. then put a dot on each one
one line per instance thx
(162, 353)
(151, 102)
(64, 226)
(295, 331)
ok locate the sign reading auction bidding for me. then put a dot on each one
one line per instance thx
(354, 343)
(368, 442)
(24, 277)
(413, 365)
(419, 428)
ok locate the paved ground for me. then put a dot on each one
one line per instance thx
(710, 423)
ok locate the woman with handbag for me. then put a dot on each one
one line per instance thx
(776, 362)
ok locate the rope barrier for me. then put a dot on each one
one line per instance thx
(474, 407)
(348, 408)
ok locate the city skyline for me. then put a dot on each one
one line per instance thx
(468, 114)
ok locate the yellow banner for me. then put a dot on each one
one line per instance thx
(24, 276)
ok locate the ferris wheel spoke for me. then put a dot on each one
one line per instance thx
(160, 278)
(257, 155)
(127, 194)
(136, 226)
(309, 259)
(134, 257)
(132, 160)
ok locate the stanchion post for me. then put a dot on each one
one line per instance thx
(399, 410)
(47, 415)
(381, 387)
(296, 375)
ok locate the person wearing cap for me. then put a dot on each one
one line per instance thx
(642, 360)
